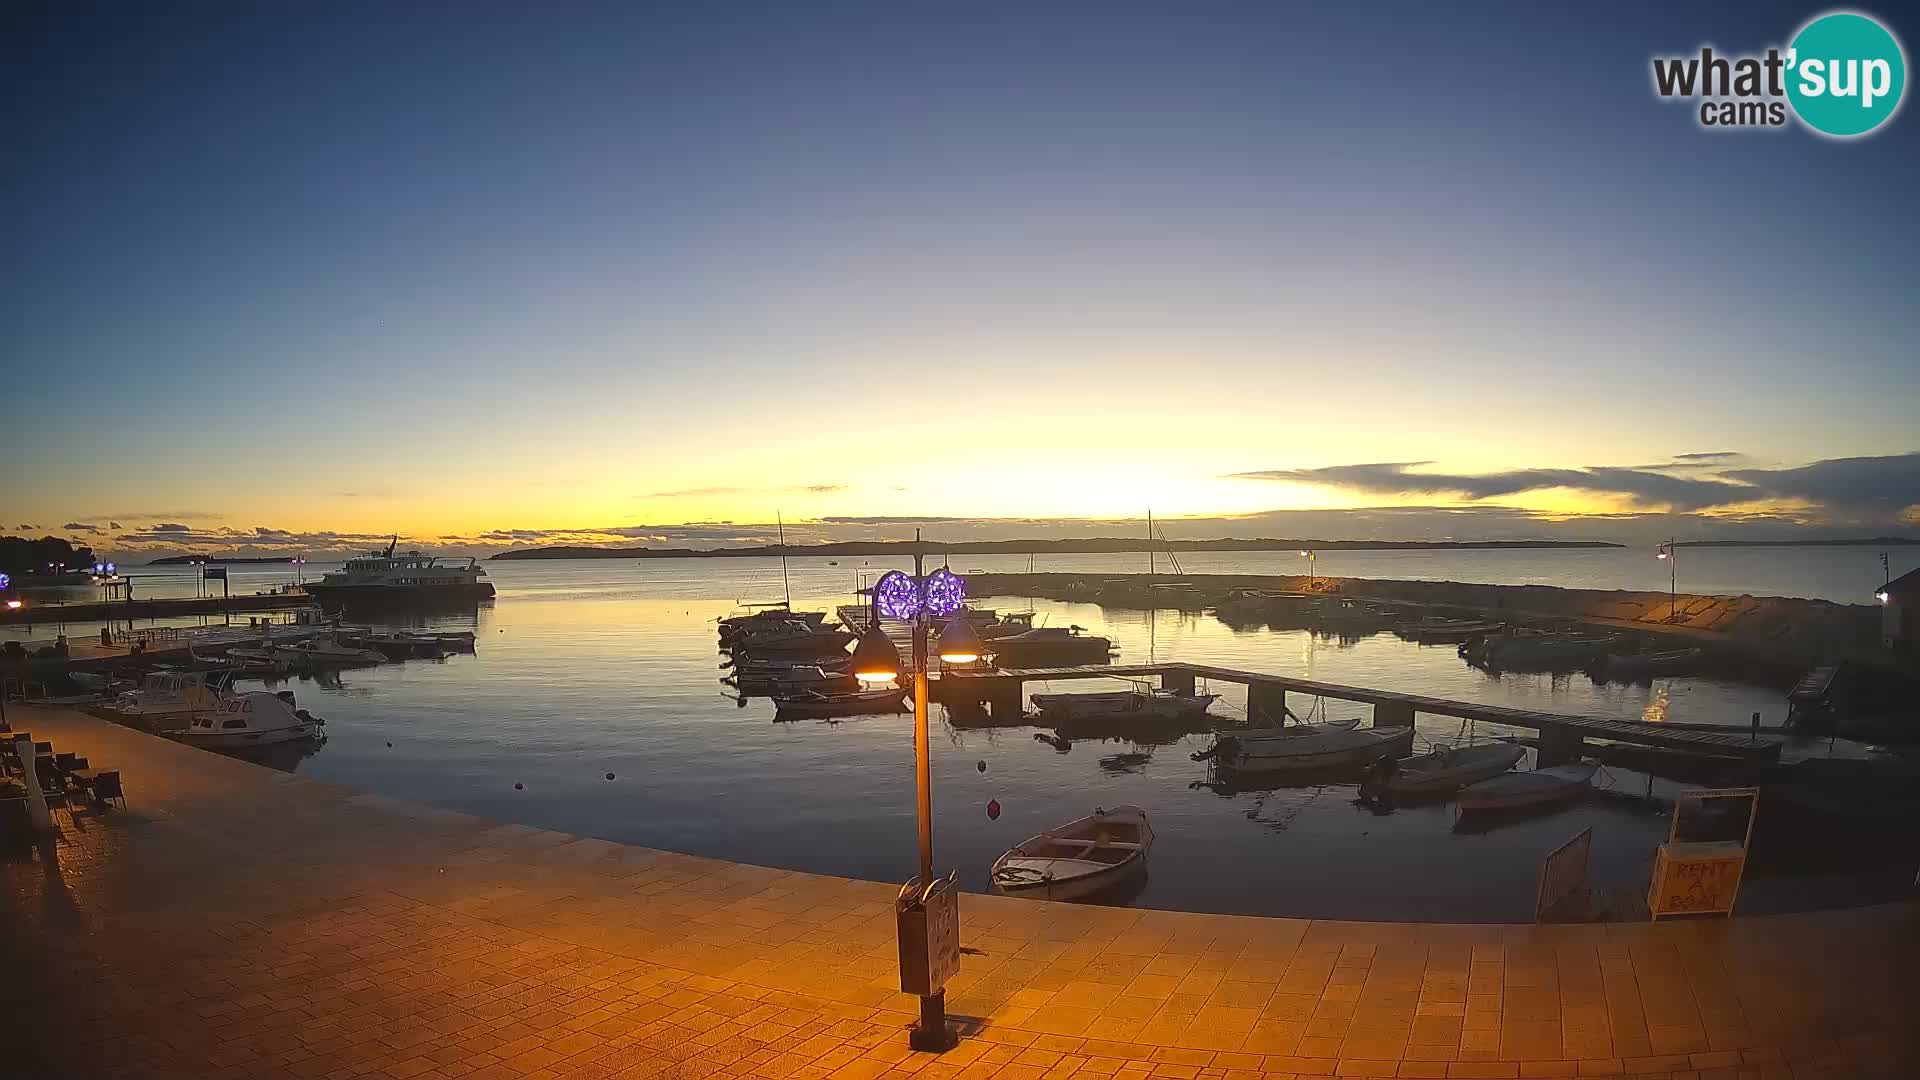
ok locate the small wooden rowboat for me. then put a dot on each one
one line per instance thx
(1537, 788)
(1307, 748)
(1449, 769)
(1100, 851)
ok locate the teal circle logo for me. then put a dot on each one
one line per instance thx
(1846, 74)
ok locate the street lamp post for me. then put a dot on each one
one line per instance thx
(1310, 555)
(920, 599)
(1673, 581)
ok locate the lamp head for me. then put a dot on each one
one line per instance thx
(960, 642)
(875, 660)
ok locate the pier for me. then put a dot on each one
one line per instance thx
(237, 922)
(1562, 735)
(33, 613)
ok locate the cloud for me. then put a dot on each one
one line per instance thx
(1396, 478)
(113, 525)
(168, 527)
(1711, 455)
(74, 526)
(707, 492)
(1876, 488)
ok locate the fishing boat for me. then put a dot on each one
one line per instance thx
(1627, 668)
(813, 704)
(324, 652)
(1537, 788)
(1142, 704)
(765, 616)
(1045, 645)
(381, 578)
(791, 638)
(1107, 848)
(249, 720)
(395, 644)
(1451, 768)
(1307, 747)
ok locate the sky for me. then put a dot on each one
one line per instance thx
(293, 276)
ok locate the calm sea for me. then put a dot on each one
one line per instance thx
(585, 669)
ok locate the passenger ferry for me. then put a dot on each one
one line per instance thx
(384, 578)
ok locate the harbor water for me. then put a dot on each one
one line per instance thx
(592, 705)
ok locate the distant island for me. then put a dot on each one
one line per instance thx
(1103, 545)
(180, 560)
(1868, 541)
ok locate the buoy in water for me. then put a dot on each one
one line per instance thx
(993, 809)
(981, 765)
(609, 776)
(517, 785)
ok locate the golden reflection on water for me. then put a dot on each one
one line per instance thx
(1656, 710)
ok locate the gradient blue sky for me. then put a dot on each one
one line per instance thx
(448, 269)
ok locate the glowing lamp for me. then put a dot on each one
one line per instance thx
(959, 642)
(13, 605)
(110, 568)
(875, 660)
(5, 581)
(896, 595)
(1882, 597)
(944, 593)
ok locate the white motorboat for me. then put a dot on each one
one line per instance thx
(1143, 704)
(1537, 788)
(169, 695)
(1090, 855)
(324, 652)
(1307, 747)
(1450, 768)
(251, 719)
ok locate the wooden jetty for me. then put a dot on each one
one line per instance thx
(34, 613)
(1561, 735)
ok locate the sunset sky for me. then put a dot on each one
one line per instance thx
(277, 279)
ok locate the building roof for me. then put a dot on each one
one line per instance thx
(1905, 585)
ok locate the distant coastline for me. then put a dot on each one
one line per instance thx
(1089, 546)
(1866, 541)
(181, 560)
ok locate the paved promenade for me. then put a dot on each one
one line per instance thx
(239, 922)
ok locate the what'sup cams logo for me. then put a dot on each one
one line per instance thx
(1843, 75)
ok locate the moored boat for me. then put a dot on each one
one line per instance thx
(1439, 631)
(1144, 704)
(251, 719)
(1044, 645)
(169, 697)
(813, 704)
(1540, 787)
(1626, 668)
(1090, 855)
(1307, 747)
(381, 578)
(324, 652)
(1450, 768)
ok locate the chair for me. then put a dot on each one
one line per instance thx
(106, 788)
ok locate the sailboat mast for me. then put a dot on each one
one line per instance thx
(785, 582)
(1149, 543)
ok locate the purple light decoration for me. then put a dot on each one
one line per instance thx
(896, 595)
(945, 592)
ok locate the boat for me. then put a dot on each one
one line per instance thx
(1143, 704)
(1540, 787)
(1079, 859)
(812, 704)
(324, 652)
(771, 615)
(165, 696)
(789, 635)
(1438, 631)
(381, 578)
(1045, 645)
(1307, 747)
(1521, 648)
(97, 681)
(1626, 668)
(795, 677)
(1451, 768)
(251, 719)
(395, 644)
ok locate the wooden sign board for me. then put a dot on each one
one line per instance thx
(1698, 870)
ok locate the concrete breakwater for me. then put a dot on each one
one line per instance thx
(1785, 629)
